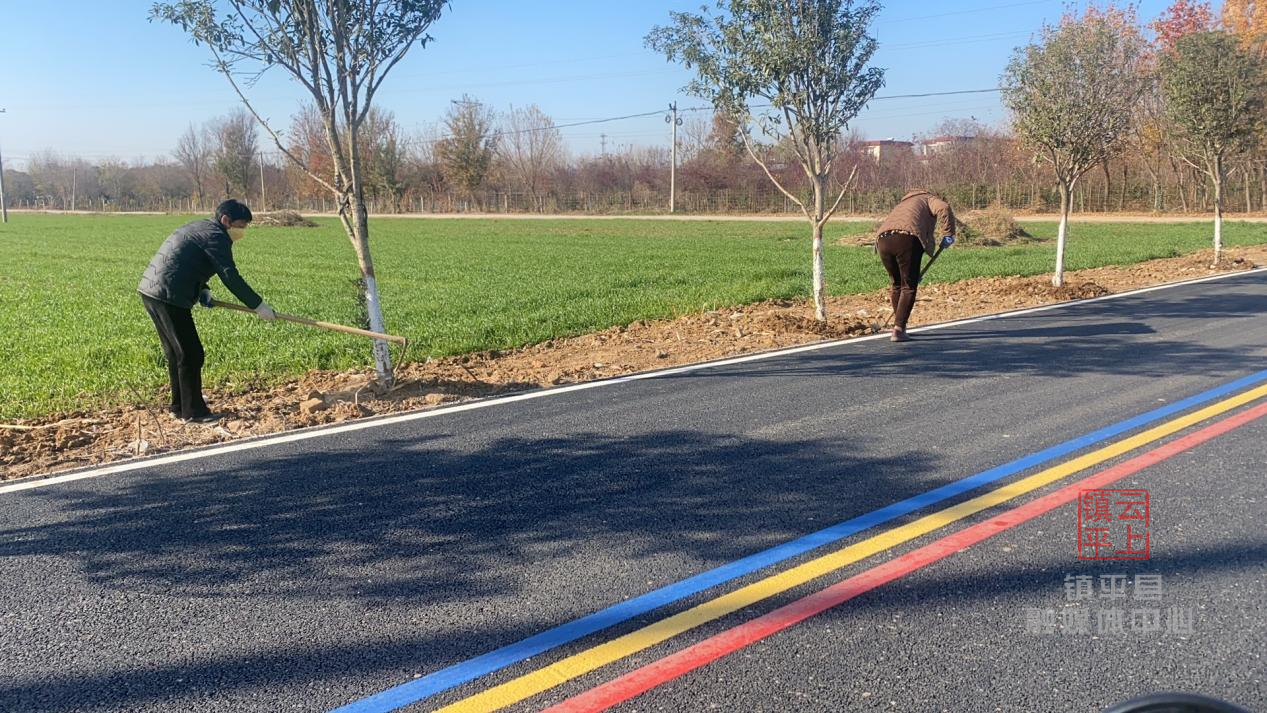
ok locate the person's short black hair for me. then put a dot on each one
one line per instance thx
(235, 209)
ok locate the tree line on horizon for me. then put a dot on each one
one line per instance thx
(478, 159)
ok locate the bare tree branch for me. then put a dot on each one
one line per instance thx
(844, 189)
(224, 69)
(743, 134)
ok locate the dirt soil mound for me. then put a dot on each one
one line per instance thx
(284, 219)
(69, 440)
(858, 234)
(991, 227)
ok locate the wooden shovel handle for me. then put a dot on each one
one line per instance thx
(314, 323)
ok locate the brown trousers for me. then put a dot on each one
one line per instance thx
(902, 256)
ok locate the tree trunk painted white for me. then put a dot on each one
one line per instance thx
(820, 302)
(349, 181)
(1218, 209)
(373, 305)
(1058, 279)
(373, 308)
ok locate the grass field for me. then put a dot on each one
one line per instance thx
(73, 334)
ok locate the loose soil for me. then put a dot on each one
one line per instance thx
(283, 219)
(68, 440)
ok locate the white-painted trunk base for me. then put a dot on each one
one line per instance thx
(1058, 279)
(820, 303)
(1218, 237)
(374, 310)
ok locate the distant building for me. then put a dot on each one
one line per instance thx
(938, 144)
(883, 148)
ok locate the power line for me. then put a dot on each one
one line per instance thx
(965, 12)
(587, 122)
(703, 108)
(524, 65)
(937, 94)
(551, 127)
(971, 39)
(883, 98)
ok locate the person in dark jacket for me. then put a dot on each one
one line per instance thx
(177, 278)
(902, 240)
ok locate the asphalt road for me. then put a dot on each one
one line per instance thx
(309, 575)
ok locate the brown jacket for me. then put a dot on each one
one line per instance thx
(920, 213)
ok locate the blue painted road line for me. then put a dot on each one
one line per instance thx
(471, 669)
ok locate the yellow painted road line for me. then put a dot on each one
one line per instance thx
(583, 662)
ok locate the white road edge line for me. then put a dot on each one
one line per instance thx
(42, 481)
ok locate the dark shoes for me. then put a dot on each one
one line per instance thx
(204, 417)
(899, 335)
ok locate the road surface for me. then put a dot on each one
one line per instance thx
(586, 534)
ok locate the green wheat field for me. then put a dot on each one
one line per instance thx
(73, 334)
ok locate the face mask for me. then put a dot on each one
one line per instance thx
(236, 234)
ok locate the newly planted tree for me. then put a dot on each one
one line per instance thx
(1213, 87)
(1153, 136)
(806, 60)
(1073, 97)
(340, 52)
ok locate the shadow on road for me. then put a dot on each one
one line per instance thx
(1076, 340)
(424, 526)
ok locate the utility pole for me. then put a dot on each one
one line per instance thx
(4, 208)
(263, 204)
(603, 138)
(675, 122)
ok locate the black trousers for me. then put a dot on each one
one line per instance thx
(902, 256)
(184, 354)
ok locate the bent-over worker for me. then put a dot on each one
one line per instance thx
(901, 241)
(175, 279)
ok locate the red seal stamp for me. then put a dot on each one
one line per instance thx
(1113, 525)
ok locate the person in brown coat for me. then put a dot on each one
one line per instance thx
(903, 238)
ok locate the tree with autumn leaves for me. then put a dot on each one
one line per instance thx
(1182, 18)
(1213, 88)
(1090, 87)
(1210, 88)
(1247, 19)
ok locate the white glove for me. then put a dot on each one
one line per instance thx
(265, 311)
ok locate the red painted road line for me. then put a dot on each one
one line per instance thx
(666, 669)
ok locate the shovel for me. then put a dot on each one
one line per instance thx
(945, 243)
(314, 323)
(402, 341)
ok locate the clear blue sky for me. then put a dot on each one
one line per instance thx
(98, 80)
